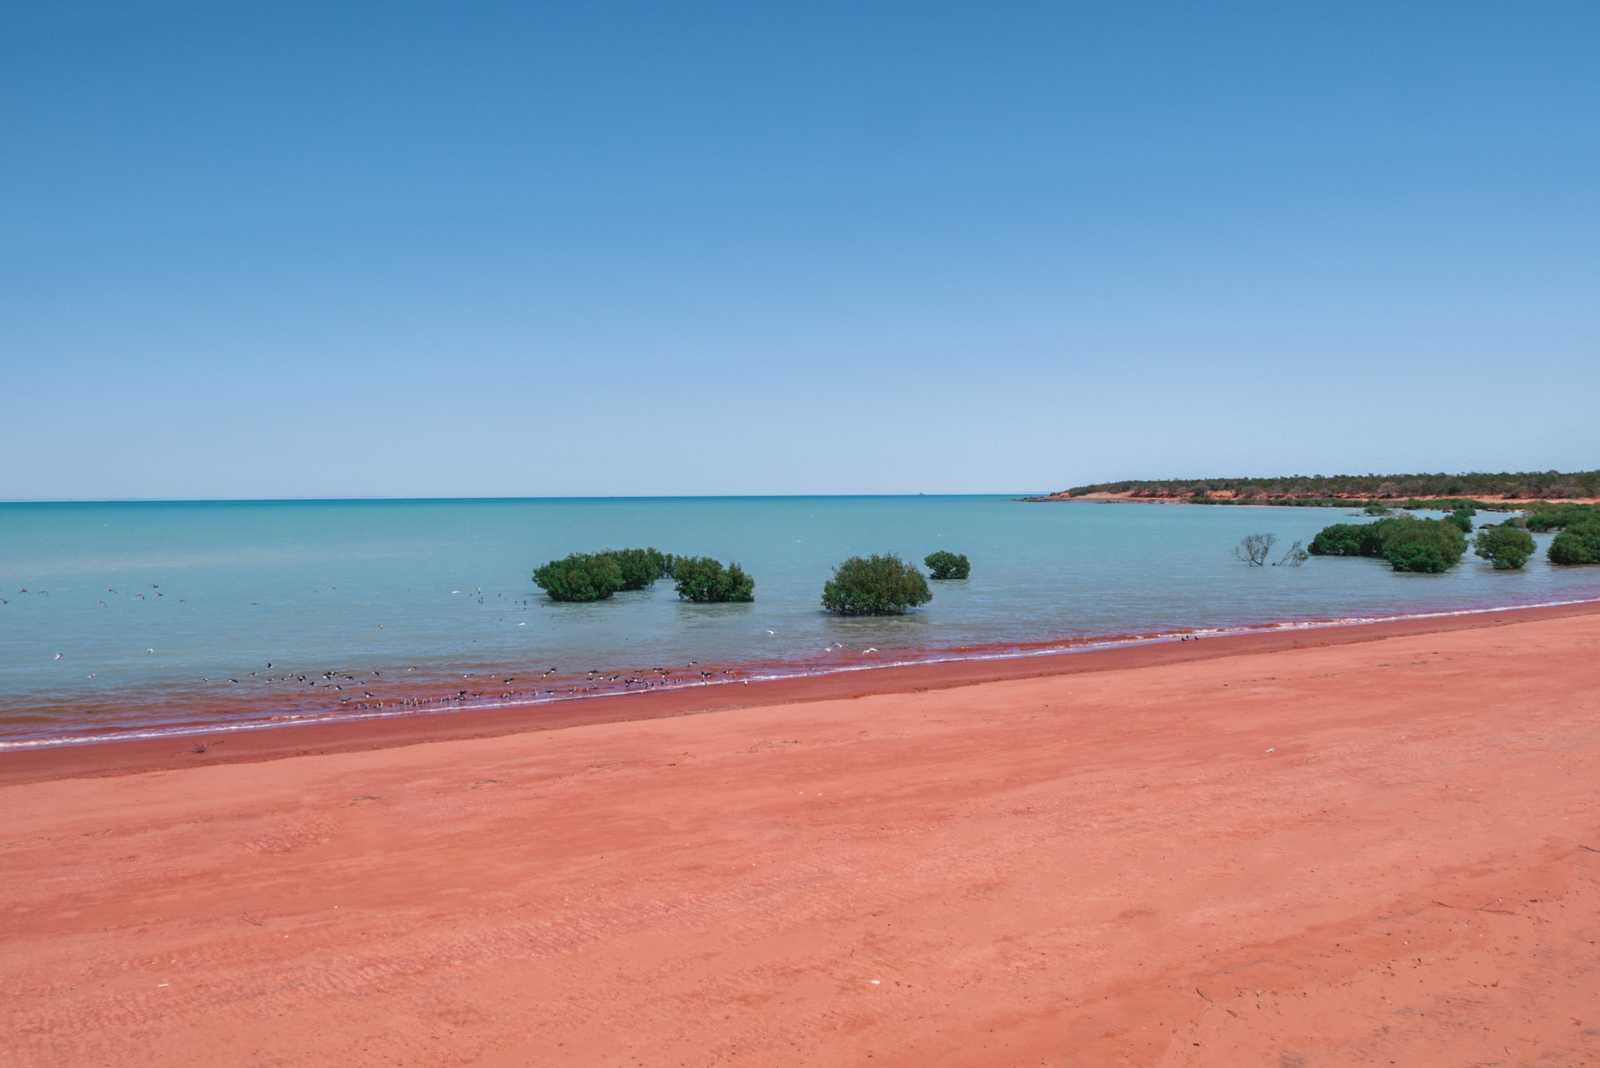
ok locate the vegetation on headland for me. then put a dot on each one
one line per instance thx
(1336, 491)
(943, 565)
(702, 579)
(875, 586)
(1426, 545)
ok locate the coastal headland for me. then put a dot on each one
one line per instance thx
(1134, 496)
(1352, 845)
(1523, 489)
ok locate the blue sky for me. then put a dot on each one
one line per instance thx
(591, 249)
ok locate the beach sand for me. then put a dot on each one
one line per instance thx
(1364, 846)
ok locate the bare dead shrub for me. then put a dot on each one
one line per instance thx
(1254, 549)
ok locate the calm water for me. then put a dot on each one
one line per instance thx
(156, 609)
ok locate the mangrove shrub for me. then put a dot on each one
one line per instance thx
(1461, 518)
(1506, 546)
(1426, 545)
(1563, 516)
(943, 565)
(1579, 543)
(1429, 546)
(876, 586)
(640, 567)
(1351, 539)
(700, 579)
(580, 577)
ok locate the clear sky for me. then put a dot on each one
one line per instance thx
(328, 249)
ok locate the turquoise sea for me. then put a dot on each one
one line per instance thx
(133, 618)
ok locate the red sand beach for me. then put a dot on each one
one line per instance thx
(1355, 846)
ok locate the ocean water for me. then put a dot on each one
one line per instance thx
(139, 618)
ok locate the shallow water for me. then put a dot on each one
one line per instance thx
(156, 608)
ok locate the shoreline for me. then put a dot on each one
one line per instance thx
(766, 672)
(1357, 845)
(210, 745)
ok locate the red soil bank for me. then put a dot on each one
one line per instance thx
(1385, 850)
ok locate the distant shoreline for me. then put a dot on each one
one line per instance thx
(1499, 491)
(1485, 503)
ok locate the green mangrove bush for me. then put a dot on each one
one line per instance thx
(1429, 546)
(701, 579)
(640, 567)
(1426, 545)
(943, 565)
(1350, 539)
(875, 586)
(1579, 543)
(580, 577)
(1505, 546)
(1560, 517)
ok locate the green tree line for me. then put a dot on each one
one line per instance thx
(1334, 490)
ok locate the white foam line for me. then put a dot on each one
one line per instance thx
(1051, 650)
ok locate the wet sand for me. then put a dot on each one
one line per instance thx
(1362, 846)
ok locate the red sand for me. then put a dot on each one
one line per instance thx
(1373, 851)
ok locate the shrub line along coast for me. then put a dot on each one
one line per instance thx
(861, 586)
(1527, 490)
